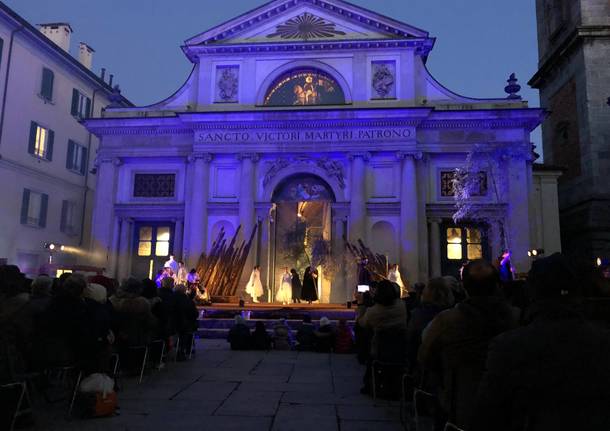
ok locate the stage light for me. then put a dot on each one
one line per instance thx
(62, 248)
(598, 261)
(529, 253)
(534, 252)
(51, 246)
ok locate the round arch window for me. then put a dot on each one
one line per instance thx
(304, 87)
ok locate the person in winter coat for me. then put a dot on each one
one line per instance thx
(454, 345)
(282, 337)
(551, 374)
(325, 336)
(305, 335)
(135, 324)
(344, 338)
(239, 335)
(261, 340)
(186, 315)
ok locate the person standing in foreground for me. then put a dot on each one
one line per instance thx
(552, 374)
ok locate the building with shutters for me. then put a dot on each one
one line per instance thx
(46, 168)
(317, 120)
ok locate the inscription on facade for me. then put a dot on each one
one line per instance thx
(354, 135)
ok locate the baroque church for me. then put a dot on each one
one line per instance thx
(321, 117)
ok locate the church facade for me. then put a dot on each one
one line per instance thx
(319, 114)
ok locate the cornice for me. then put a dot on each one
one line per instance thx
(383, 208)
(421, 46)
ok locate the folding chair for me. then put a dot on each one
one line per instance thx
(131, 359)
(450, 427)
(74, 392)
(156, 351)
(15, 393)
(424, 405)
(378, 370)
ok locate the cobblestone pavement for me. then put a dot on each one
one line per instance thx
(244, 391)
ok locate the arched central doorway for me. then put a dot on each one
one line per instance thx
(303, 225)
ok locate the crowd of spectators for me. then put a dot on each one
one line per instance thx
(492, 356)
(72, 321)
(324, 337)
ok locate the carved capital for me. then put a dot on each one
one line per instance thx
(416, 155)
(435, 220)
(252, 156)
(206, 157)
(364, 155)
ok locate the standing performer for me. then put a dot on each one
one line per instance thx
(181, 276)
(255, 287)
(309, 292)
(284, 294)
(394, 277)
(296, 286)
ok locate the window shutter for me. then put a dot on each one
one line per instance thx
(25, 206)
(32, 142)
(1, 48)
(44, 203)
(47, 84)
(64, 214)
(50, 141)
(88, 108)
(84, 161)
(70, 155)
(75, 97)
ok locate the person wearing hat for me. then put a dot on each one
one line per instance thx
(553, 373)
(136, 322)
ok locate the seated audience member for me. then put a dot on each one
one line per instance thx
(305, 335)
(362, 336)
(261, 340)
(101, 315)
(387, 322)
(186, 315)
(14, 321)
(167, 314)
(135, 324)
(552, 374)
(458, 291)
(282, 337)
(325, 336)
(239, 335)
(454, 345)
(436, 297)
(414, 298)
(344, 339)
(68, 330)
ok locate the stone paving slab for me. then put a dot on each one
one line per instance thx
(243, 391)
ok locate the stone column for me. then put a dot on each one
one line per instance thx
(357, 210)
(124, 255)
(339, 292)
(518, 212)
(114, 254)
(196, 220)
(246, 207)
(178, 239)
(435, 247)
(103, 210)
(409, 214)
(263, 259)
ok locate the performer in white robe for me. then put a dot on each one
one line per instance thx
(394, 276)
(254, 287)
(284, 294)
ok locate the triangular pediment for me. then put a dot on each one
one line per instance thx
(306, 21)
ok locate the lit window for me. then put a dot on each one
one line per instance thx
(145, 241)
(163, 237)
(41, 141)
(454, 243)
(474, 247)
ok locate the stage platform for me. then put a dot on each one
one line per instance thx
(216, 320)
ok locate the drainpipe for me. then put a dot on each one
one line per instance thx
(86, 185)
(8, 71)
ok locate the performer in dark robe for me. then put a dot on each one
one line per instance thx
(296, 286)
(309, 292)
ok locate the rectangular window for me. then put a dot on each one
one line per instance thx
(76, 160)
(154, 185)
(454, 243)
(69, 221)
(474, 244)
(34, 208)
(163, 237)
(145, 241)
(447, 178)
(41, 141)
(81, 105)
(46, 86)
